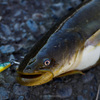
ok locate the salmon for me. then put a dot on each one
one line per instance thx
(71, 47)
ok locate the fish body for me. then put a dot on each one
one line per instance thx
(72, 47)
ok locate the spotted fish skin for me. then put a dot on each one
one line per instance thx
(65, 47)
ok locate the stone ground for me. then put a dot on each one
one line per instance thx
(22, 23)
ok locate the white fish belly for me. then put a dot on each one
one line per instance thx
(90, 56)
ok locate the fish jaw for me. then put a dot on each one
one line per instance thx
(44, 77)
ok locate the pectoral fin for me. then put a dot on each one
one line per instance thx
(94, 39)
(71, 72)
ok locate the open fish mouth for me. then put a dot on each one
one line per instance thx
(36, 78)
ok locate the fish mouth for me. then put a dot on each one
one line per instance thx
(37, 78)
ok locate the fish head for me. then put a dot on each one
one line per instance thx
(50, 61)
(40, 69)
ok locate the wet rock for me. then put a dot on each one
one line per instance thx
(21, 98)
(10, 79)
(3, 94)
(20, 90)
(11, 57)
(88, 77)
(31, 38)
(32, 25)
(75, 3)
(0, 17)
(17, 27)
(42, 29)
(18, 39)
(69, 7)
(18, 13)
(64, 92)
(11, 39)
(5, 29)
(38, 16)
(1, 79)
(7, 49)
(23, 2)
(7, 85)
(57, 9)
(81, 98)
(24, 35)
(48, 97)
(92, 95)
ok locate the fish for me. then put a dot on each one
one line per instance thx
(70, 47)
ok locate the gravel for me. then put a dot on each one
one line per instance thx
(22, 23)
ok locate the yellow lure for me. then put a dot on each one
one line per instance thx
(4, 66)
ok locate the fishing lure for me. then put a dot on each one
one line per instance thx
(4, 66)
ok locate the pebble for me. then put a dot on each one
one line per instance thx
(20, 90)
(18, 39)
(0, 17)
(31, 38)
(11, 57)
(11, 39)
(64, 92)
(88, 77)
(17, 27)
(7, 49)
(48, 97)
(57, 9)
(75, 3)
(23, 2)
(21, 98)
(18, 13)
(38, 16)
(3, 94)
(81, 98)
(5, 28)
(42, 29)
(32, 25)
(10, 79)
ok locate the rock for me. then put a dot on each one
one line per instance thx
(24, 35)
(20, 90)
(5, 29)
(32, 25)
(81, 98)
(7, 49)
(1, 79)
(31, 38)
(3, 94)
(17, 27)
(38, 16)
(10, 79)
(64, 92)
(18, 39)
(11, 39)
(48, 97)
(11, 57)
(75, 3)
(18, 13)
(42, 29)
(88, 77)
(57, 9)
(0, 18)
(23, 2)
(21, 98)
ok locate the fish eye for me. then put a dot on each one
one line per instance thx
(46, 62)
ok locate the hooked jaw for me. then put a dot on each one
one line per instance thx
(32, 77)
